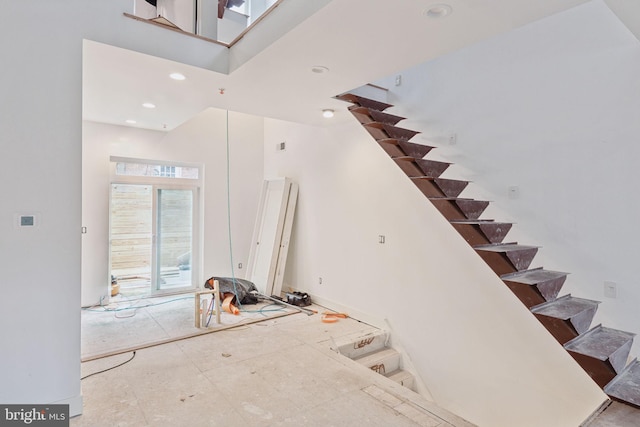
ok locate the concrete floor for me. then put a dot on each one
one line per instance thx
(129, 322)
(618, 415)
(273, 373)
(277, 372)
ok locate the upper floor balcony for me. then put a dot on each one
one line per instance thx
(223, 21)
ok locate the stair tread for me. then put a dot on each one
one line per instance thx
(474, 221)
(456, 199)
(379, 116)
(482, 223)
(402, 377)
(360, 343)
(376, 355)
(564, 307)
(431, 178)
(394, 131)
(399, 372)
(431, 161)
(365, 102)
(393, 141)
(533, 276)
(413, 159)
(626, 385)
(599, 342)
(504, 247)
(381, 125)
(415, 149)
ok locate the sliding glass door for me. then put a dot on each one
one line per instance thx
(153, 238)
(173, 239)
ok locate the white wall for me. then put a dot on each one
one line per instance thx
(553, 109)
(201, 140)
(231, 25)
(144, 10)
(40, 118)
(179, 12)
(481, 354)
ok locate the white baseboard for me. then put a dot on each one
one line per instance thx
(353, 313)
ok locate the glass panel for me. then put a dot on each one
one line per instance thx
(131, 237)
(201, 17)
(174, 238)
(165, 171)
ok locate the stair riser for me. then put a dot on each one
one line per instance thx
(400, 133)
(550, 290)
(619, 358)
(385, 118)
(417, 151)
(451, 187)
(582, 322)
(383, 365)
(431, 168)
(472, 208)
(363, 346)
(495, 232)
(404, 379)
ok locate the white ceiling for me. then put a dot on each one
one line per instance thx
(360, 41)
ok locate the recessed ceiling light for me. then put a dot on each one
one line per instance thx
(131, 122)
(438, 11)
(319, 69)
(149, 105)
(327, 113)
(177, 76)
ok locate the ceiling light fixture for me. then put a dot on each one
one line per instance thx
(438, 11)
(131, 122)
(319, 69)
(177, 76)
(149, 105)
(327, 113)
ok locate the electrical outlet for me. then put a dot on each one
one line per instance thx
(610, 289)
(320, 280)
(381, 239)
(240, 265)
(281, 146)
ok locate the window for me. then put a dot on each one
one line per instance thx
(149, 169)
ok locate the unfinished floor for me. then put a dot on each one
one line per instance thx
(277, 372)
(128, 323)
(273, 373)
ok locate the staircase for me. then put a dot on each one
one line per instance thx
(372, 351)
(602, 352)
